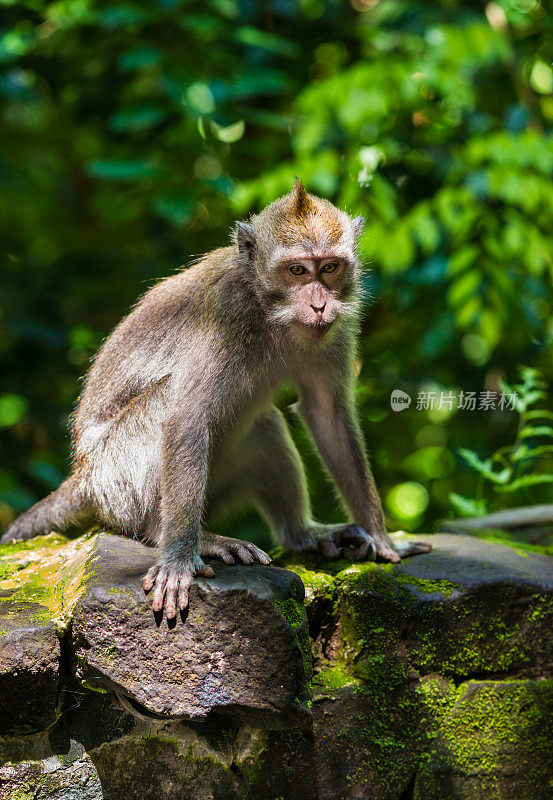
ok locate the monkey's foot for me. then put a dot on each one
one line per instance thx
(353, 542)
(231, 550)
(335, 541)
(405, 548)
(13, 535)
(8, 537)
(171, 583)
(389, 550)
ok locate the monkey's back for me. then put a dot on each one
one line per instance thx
(143, 350)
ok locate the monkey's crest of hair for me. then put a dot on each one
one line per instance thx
(297, 219)
(305, 218)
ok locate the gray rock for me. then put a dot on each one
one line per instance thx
(54, 778)
(242, 648)
(473, 563)
(470, 606)
(217, 759)
(29, 667)
(433, 679)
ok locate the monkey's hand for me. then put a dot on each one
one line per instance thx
(231, 550)
(170, 579)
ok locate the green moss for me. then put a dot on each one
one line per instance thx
(443, 587)
(311, 562)
(492, 717)
(333, 676)
(512, 539)
(434, 626)
(317, 584)
(26, 792)
(48, 540)
(387, 582)
(383, 731)
(46, 575)
(498, 735)
(294, 613)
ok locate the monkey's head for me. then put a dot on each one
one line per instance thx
(303, 251)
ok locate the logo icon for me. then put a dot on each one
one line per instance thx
(399, 400)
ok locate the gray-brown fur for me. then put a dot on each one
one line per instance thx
(176, 420)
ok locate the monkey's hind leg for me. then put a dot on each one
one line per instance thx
(266, 471)
(61, 510)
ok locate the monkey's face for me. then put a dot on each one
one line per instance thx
(303, 250)
(309, 291)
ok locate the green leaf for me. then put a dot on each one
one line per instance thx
(526, 481)
(484, 468)
(229, 133)
(138, 119)
(13, 409)
(462, 258)
(120, 170)
(140, 58)
(200, 98)
(467, 506)
(540, 413)
(175, 209)
(464, 286)
(531, 431)
(524, 452)
(267, 41)
(13, 45)
(529, 398)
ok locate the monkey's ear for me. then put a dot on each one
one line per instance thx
(245, 239)
(358, 225)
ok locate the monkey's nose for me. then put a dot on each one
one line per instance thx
(318, 309)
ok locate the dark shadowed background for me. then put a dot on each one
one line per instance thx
(133, 133)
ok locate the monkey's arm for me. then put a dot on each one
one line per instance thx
(183, 479)
(329, 411)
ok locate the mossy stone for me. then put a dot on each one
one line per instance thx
(496, 741)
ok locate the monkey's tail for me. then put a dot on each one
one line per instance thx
(60, 510)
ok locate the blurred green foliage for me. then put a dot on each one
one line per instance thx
(519, 466)
(133, 133)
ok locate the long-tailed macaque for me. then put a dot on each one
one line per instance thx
(176, 418)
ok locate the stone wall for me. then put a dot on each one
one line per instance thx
(429, 680)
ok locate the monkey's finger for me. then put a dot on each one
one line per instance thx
(159, 590)
(386, 553)
(354, 536)
(366, 551)
(184, 587)
(224, 555)
(259, 554)
(171, 591)
(243, 554)
(352, 533)
(206, 571)
(328, 548)
(150, 578)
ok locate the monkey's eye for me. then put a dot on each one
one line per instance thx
(297, 269)
(332, 266)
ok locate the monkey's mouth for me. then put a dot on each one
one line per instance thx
(317, 328)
